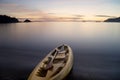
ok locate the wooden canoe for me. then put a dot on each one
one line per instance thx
(55, 66)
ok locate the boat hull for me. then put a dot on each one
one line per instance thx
(60, 75)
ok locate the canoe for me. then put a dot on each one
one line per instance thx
(55, 66)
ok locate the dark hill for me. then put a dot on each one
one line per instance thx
(27, 20)
(8, 19)
(113, 20)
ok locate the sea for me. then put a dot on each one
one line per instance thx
(95, 46)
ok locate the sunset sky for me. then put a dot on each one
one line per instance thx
(61, 10)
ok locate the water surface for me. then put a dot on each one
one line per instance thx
(96, 48)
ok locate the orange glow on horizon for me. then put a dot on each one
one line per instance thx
(62, 18)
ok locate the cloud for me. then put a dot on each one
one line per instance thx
(69, 18)
(9, 8)
(20, 11)
(51, 13)
(79, 15)
(104, 16)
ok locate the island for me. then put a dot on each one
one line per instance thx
(27, 20)
(8, 19)
(113, 20)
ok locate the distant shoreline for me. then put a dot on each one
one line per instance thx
(113, 20)
(7, 19)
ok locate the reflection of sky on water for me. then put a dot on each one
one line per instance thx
(86, 34)
(96, 48)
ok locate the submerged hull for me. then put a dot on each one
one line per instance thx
(55, 66)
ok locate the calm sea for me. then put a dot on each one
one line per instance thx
(96, 48)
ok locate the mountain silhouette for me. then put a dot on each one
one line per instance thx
(8, 19)
(113, 20)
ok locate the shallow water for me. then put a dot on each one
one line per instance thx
(96, 48)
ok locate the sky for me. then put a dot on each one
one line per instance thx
(61, 10)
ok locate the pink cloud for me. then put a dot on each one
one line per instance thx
(21, 12)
